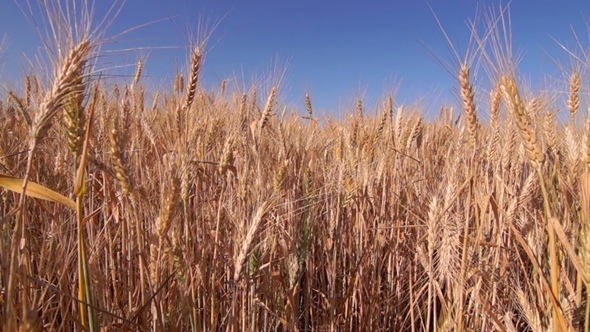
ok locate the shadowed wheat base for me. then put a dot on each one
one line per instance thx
(211, 210)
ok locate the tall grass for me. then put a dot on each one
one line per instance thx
(208, 211)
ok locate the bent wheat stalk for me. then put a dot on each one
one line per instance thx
(536, 157)
(69, 82)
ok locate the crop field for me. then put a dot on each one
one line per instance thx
(191, 208)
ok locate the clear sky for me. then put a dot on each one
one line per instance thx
(335, 50)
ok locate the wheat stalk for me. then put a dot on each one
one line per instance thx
(69, 82)
(536, 157)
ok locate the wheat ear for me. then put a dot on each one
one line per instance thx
(468, 102)
(516, 105)
(248, 240)
(267, 110)
(193, 78)
(69, 82)
(308, 105)
(138, 72)
(573, 101)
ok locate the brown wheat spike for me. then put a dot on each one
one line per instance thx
(70, 81)
(550, 130)
(73, 120)
(495, 98)
(139, 101)
(193, 78)
(308, 178)
(161, 245)
(155, 100)
(378, 133)
(243, 114)
(179, 263)
(125, 115)
(267, 110)
(28, 91)
(468, 101)
(186, 179)
(529, 310)
(21, 107)
(118, 162)
(399, 127)
(149, 131)
(353, 142)
(278, 179)
(34, 85)
(116, 92)
(253, 106)
(222, 87)
(415, 135)
(308, 105)
(573, 102)
(339, 150)
(169, 197)
(516, 105)
(389, 106)
(212, 138)
(572, 148)
(138, 72)
(359, 109)
(227, 157)
(248, 239)
(178, 83)
(381, 126)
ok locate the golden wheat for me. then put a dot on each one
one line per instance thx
(201, 210)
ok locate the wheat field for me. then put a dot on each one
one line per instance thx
(215, 210)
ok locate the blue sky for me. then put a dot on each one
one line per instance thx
(335, 50)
